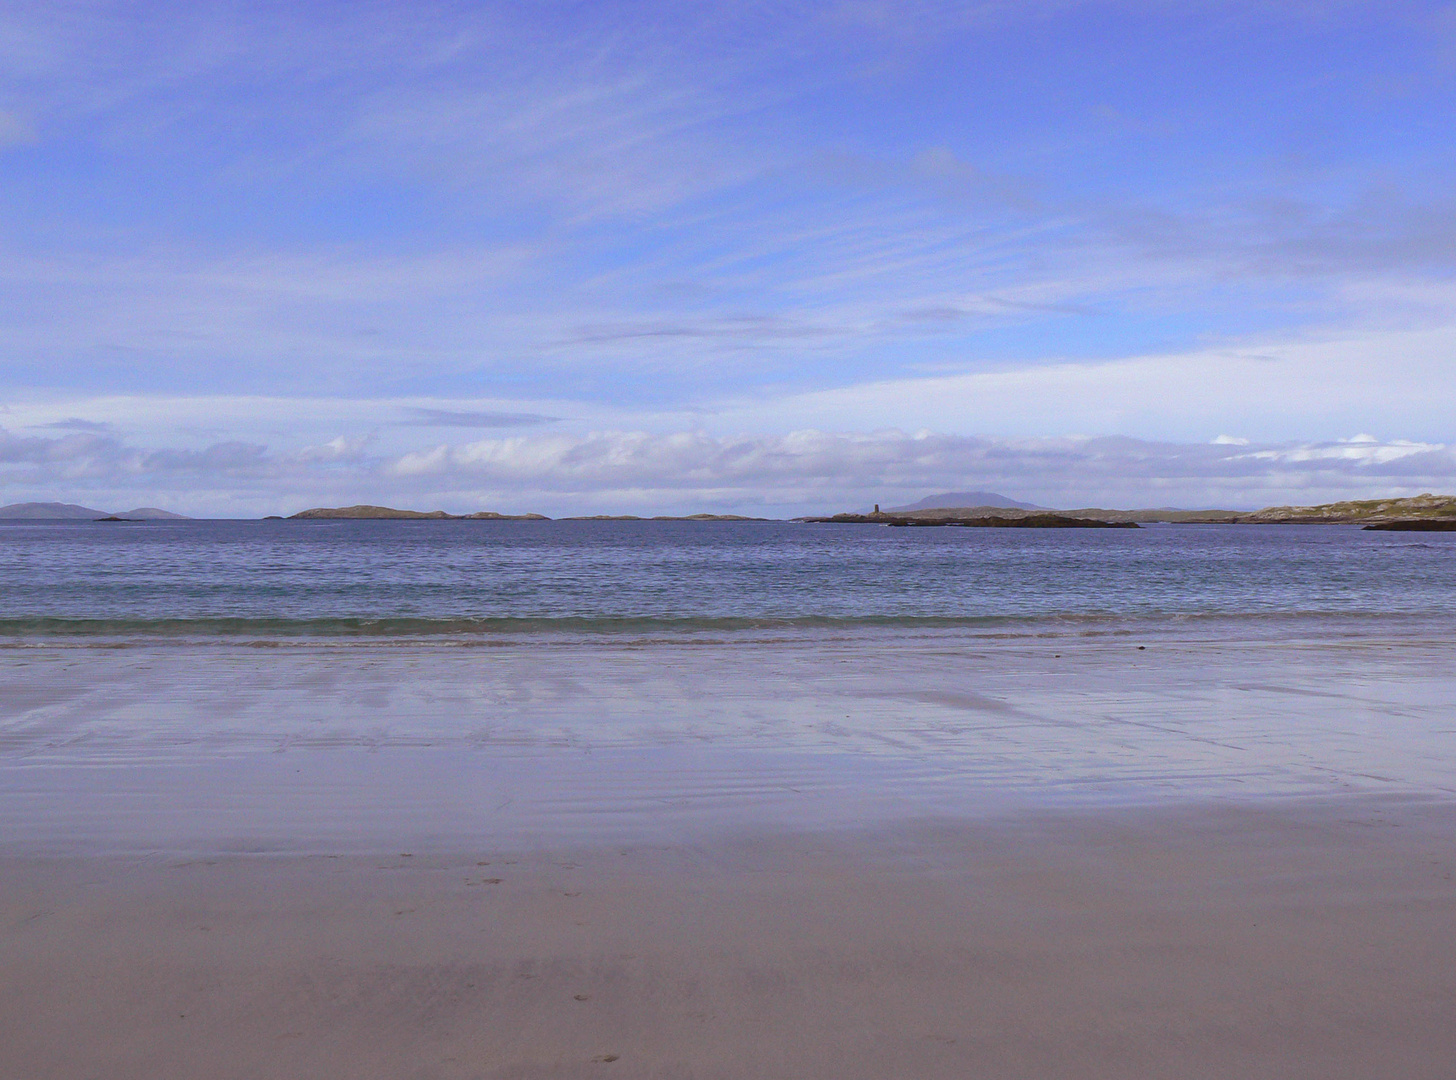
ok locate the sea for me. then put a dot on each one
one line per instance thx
(305, 686)
(420, 579)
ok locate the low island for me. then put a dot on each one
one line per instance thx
(1022, 521)
(1419, 513)
(388, 513)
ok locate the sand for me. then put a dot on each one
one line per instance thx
(881, 856)
(1304, 937)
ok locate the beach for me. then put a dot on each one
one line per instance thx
(1308, 939)
(504, 800)
(727, 541)
(825, 855)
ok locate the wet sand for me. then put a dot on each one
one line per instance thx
(883, 856)
(1294, 938)
(358, 747)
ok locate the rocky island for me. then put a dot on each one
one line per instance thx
(1434, 508)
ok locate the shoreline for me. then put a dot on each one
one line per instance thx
(849, 857)
(340, 746)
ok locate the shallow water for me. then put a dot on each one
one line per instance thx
(285, 686)
(287, 578)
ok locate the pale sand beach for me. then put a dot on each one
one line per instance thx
(831, 856)
(1306, 939)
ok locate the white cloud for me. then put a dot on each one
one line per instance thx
(683, 471)
(1275, 390)
(635, 244)
(1363, 449)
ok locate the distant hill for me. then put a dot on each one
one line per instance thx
(958, 499)
(993, 513)
(55, 511)
(1420, 507)
(52, 511)
(1015, 520)
(388, 513)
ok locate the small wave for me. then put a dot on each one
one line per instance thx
(408, 627)
(417, 628)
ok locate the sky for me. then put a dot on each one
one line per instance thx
(752, 257)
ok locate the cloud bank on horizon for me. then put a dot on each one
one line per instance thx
(772, 258)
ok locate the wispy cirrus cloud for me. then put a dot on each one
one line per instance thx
(447, 418)
(759, 219)
(75, 423)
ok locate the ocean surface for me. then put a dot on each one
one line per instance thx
(384, 579)
(276, 687)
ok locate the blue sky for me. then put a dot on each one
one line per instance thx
(657, 257)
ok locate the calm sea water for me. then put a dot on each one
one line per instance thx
(330, 686)
(227, 578)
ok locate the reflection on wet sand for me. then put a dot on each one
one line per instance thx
(928, 856)
(357, 746)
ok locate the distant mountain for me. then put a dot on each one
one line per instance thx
(54, 511)
(151, 513)
(959, 514)
(50, 510)
(965, 498)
